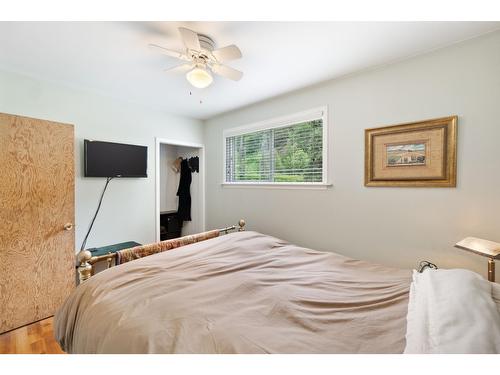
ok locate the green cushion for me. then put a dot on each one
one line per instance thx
(96, 251)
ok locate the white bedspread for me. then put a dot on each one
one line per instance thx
(453, 311)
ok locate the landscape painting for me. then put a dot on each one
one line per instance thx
(415, 154)
(410, 154)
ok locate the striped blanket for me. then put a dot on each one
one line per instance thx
(126, 255)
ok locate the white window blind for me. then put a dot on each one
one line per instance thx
(288, 150)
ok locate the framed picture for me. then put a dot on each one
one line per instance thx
(417, 154)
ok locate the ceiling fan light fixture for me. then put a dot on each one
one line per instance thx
(201, 59)
(199, 77)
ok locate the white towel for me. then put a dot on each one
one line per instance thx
(452, 311)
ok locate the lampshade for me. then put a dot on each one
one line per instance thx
(199, 77)
(479, 246)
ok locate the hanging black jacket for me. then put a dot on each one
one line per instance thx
(194, 164)
(184, 193)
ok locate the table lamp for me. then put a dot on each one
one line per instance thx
(485, 248)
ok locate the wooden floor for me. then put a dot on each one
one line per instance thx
(36, 338)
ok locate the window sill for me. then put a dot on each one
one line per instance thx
(276, 185)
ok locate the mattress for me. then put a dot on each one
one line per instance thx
(244, 292)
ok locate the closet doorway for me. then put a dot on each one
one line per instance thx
(167, 184)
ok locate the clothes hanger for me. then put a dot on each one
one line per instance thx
(193, 163)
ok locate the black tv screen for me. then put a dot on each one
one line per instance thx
(107, 159)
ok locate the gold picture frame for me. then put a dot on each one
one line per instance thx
(416, 154)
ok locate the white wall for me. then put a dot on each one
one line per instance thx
(395, 226)
(128, 210)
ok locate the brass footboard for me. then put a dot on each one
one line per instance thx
(85, 260)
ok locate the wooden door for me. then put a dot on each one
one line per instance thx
(37, 267)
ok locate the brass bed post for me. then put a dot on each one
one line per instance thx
(241, 225)
(85, 260)
(84, 267)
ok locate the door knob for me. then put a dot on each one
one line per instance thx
(68, 226)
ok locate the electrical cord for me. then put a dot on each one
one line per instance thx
(96, 212)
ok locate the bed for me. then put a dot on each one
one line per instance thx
(244, 292)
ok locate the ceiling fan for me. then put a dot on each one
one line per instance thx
(200, 58)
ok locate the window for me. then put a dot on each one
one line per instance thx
(288, 150)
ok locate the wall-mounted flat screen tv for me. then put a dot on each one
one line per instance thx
(107, 159)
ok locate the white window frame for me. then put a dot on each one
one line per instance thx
(279, 122)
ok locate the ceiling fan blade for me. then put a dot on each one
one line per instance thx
(231, 52)
(190, 39)
(179, 68)
(169, 52)
(227, 72)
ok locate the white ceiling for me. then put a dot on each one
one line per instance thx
(113, 58)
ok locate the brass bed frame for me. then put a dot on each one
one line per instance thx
(85, 260)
